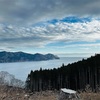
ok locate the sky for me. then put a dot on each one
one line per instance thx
(62, 27)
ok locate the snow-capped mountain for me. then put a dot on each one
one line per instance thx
(10, 80)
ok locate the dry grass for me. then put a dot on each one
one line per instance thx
(10, 93)
(90, 96)
(49, 95)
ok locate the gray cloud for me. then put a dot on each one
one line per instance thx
(32, 11)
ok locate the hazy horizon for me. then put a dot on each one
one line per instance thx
(60, 54)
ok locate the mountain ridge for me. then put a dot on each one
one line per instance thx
(22, 57)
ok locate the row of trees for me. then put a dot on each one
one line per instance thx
(74, 76)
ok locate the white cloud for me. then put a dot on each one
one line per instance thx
(40, 36)
(85, 46)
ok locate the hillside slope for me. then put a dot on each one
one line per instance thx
(74, 76)
(10, 80)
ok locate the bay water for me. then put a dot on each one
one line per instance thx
(21, 69)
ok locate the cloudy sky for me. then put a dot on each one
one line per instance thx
(64, 27)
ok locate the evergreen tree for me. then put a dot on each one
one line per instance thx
(75, 76)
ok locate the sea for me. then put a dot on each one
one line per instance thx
(21, 69)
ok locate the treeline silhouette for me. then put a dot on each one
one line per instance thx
(74, 76)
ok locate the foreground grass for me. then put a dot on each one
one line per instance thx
(90, 96)
(11, 93)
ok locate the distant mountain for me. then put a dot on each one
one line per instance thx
(21, 56)
(10, 80)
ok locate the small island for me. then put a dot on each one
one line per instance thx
(22, 57)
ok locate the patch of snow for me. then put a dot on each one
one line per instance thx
(68, 91)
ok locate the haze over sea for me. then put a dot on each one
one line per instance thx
(21, 69)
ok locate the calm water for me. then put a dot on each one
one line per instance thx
(22, 69)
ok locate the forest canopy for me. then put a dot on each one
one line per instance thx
(74, 76)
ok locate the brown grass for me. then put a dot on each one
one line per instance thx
(10, 93)
(47, 95)
(90, 96)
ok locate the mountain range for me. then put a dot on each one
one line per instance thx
(21, 57)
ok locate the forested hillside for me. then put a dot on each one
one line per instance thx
(74, 76)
